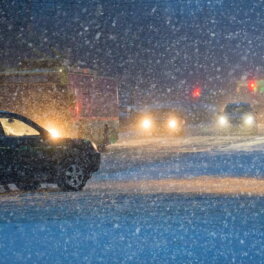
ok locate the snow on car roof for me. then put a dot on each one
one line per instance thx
(179, 106)
(33, 71)
(168, 105)
(239, 104)
(5, 112)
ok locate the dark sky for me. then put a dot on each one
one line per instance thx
(157, 49)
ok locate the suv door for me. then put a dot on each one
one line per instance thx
(24, 150)
(6, 158)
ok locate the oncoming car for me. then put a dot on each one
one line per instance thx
(30, 155)
(238, 118)
(161, 122)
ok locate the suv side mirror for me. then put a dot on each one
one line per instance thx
(11, 120)
(45, 136)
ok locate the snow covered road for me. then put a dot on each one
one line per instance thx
(194, 157)
(159, 158)
(184, 200)
(86, 228)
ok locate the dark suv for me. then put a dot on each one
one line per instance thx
(30, 155)
(238, 117)
(162, 122)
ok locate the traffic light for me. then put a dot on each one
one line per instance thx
(252, 86)
(196, 92)
(260, 86)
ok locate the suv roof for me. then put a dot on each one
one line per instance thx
(239, 107)
(239, 104)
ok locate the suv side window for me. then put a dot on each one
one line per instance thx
(2, 132)
(17, 128)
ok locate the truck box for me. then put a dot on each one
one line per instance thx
(76, 102)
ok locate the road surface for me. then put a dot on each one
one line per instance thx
(134, 152)
(196, 164)
(58, 227)
(184, 200)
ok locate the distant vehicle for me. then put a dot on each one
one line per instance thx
(125, 115)
(75, 102)
(31, 155)
(161, 122)
(238, 117)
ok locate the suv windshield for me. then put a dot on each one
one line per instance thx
(163, 113)
(238, 109)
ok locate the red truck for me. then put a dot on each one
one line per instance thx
(68, 101)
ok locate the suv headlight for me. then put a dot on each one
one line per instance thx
(172, 123)
(146, 123)
(249, 120)
(94, 145)
(222, 121)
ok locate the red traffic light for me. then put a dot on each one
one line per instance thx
(252, 85)
(196, 92)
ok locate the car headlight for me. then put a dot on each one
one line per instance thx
(172, 123)
(54, 133)
(249, 120)
(94, 146)
(146, 123)
(222, 121)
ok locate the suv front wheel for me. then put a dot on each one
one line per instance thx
(72, 176)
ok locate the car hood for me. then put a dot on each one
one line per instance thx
(234, 116)
(238, 115)
(73, 143)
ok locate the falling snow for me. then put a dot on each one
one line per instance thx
(172, 94)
